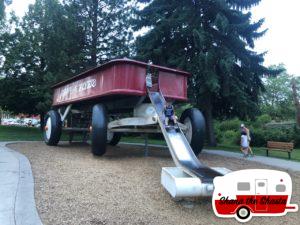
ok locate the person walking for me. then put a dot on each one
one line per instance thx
(245, 130)
(244, 144)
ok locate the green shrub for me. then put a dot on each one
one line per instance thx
(296, 137)
(231, 137)
(258, 138)
(228, 132)
(284, 135)
(218, 132)
(263, 119)
(233, 124)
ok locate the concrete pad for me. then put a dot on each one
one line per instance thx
(7, 217)
(17, 204)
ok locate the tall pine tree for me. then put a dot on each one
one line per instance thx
(3, 4)
(213, 40)
(107, 28)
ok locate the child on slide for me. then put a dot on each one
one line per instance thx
(169, 114)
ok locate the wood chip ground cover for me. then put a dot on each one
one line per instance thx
(123, 187)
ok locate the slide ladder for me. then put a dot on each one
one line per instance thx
(178, 145)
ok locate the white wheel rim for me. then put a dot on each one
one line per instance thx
(243, 212)
(189, 129)
(110, 136)
(48, 128)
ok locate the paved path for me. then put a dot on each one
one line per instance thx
(17, 204)
(280, 163)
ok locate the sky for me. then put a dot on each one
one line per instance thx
(281, 41)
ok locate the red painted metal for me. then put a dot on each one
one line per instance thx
(119, 77)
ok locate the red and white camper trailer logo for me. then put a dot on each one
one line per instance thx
(256, 192)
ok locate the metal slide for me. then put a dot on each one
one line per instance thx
(179, 147)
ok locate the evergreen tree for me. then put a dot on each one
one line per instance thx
(213, 40)
(106, 26)
(3, 4)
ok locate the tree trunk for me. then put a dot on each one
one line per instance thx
(94, 32)
(296, 102)
(209, 122)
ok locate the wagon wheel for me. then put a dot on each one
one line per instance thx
(243, 213)
(195, 132)
(52, 128)
(113, 138)
(99, 130)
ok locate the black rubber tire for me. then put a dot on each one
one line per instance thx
(243, 217)
(56, 128)
(198, 128)
(115, 140)
(99, 130)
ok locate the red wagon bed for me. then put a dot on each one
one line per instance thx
(120, 77)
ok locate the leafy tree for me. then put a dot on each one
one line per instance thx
(56, 40)
(213, 40)
(44, 48)
(277, 100)
(295, 82)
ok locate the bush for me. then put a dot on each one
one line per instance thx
(228, 132)
(262, 136)
(258, 138)
(262, 120)
(231, 137)
(296, 137)
(284, 135)
(233, 124)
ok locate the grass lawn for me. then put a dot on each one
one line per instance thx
(14, 133)
(11, 133)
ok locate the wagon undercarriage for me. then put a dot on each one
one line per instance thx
(141, 122)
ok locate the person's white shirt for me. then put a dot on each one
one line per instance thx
(244, 141)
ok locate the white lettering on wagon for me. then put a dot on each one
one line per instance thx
(75, 89)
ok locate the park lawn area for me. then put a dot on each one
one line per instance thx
(13, 133)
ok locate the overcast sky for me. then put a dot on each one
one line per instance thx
(282, 41)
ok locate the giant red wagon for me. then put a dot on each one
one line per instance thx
(126, 96)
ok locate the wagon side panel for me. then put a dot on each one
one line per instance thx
(122, 79)
(173, 86)
(130, 78)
